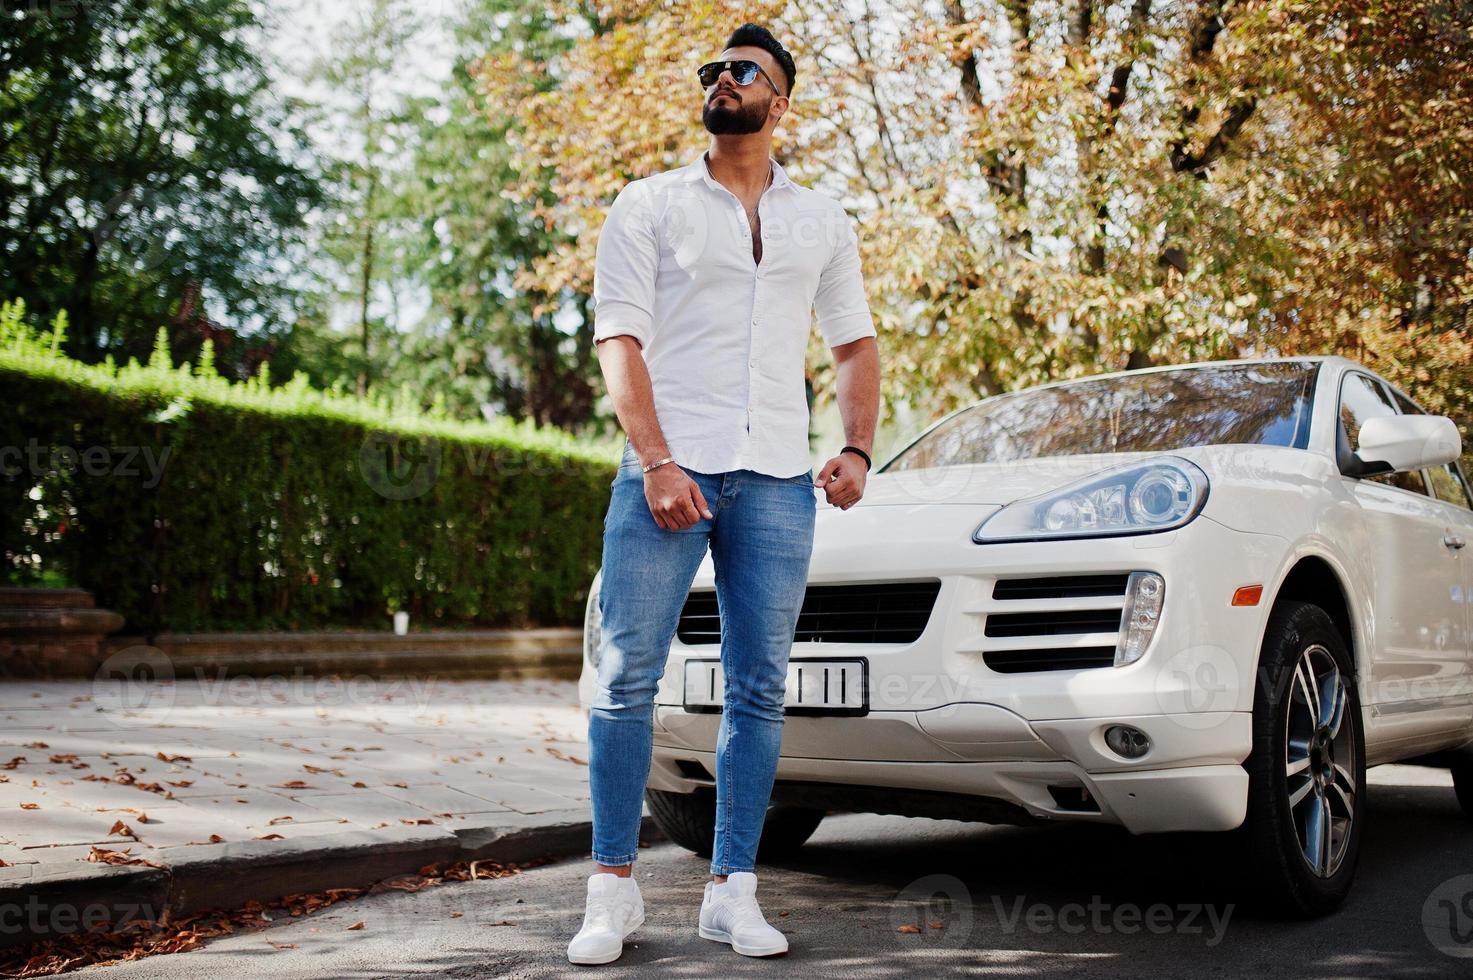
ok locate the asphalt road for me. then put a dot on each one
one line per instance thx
(1000, 902)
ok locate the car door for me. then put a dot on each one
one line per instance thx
(1450, 486)
(1419, 655)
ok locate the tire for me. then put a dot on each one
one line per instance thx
(1305, 765)
(1463, 784)
(689, 819)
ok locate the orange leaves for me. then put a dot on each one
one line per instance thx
(101, 855)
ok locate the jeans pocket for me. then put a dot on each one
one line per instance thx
(630, 459)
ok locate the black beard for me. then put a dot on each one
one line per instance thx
(740, 121)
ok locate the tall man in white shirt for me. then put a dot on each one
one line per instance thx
(706, 281)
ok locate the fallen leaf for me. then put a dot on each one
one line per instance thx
(293, 784)
(360, 786)
(13, 762)
(37, 745)
(123, 830)
(30, 806)
(216, 839)
(936, 925)
(101, 855)
(271, 837)
(908, 928)
(282, 945)
(456, 915)
(357, 925)
(276, 820)
(162, 757)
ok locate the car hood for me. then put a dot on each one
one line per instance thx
(998, 484)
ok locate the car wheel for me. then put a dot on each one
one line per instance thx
(689, 819)
(1463, 784)
(1306, 771)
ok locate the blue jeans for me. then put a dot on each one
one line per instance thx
(761, 539)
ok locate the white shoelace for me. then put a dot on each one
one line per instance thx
(601, 914)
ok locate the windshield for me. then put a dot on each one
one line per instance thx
(1265, 403)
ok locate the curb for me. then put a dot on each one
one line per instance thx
(40, 902)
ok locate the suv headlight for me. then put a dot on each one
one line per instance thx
(592, 622)
(1141, 498)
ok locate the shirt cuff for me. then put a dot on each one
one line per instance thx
(848, 328)
(609, 326)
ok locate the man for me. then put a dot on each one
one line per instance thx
(705, 285)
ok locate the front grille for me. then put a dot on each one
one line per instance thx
(882, 612)
(1060, 587)
(1060, 622)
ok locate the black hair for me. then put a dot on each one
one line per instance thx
(756, 36)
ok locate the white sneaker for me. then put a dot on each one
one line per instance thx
(613, 910)
(730, 914)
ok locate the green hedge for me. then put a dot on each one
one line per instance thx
(186, 502)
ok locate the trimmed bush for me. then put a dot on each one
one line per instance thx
(186, 502)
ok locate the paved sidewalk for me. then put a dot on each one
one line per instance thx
(202, 785)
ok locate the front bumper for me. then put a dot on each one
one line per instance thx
(1042, 776)
(941, 720)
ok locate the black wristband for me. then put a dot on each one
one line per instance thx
(868, 465)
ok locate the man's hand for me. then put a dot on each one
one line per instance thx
(842, 479)
(675, 499)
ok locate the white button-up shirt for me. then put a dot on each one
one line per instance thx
(724, 337)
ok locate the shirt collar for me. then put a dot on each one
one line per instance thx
(699, 169)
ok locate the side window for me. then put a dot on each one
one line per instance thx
(1447, 480)
(1448, 483)
(1361, 399)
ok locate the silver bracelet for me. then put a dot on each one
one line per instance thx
(659, 462)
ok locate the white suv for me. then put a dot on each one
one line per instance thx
(1199, 598)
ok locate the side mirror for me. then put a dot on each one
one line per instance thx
(1398, 443)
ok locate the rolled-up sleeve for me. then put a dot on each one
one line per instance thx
(842, 307)
(625, 263)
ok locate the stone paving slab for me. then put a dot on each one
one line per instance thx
(262, 787)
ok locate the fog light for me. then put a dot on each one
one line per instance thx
(1128, 742)
(1145, 593)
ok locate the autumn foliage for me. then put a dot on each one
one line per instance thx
(1051, 189)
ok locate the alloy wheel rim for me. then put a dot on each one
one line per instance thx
(1319, 761)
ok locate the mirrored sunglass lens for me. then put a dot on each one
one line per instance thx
(744, 72)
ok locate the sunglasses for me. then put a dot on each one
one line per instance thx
(743, 72)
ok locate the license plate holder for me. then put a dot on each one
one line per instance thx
(815, 686)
